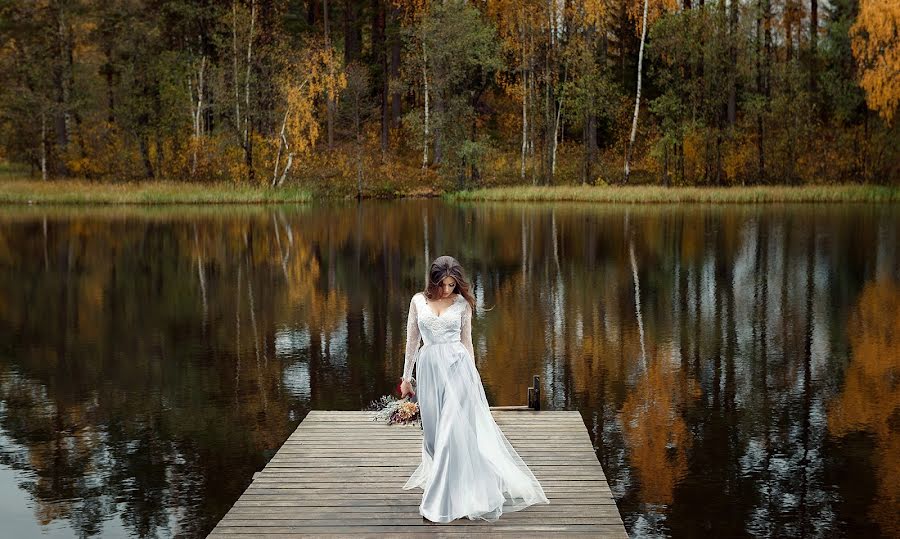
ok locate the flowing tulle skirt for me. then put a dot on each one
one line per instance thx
(468, 469)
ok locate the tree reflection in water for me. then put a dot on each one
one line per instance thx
(869, 401)
(151, 360)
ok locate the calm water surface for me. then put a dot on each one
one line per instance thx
(737, 367)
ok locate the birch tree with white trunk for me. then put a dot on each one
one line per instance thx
(524, 95)
(637, 100)
(425, 83)
(197, 110)
(313, 75)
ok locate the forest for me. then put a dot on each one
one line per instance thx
(377, 96)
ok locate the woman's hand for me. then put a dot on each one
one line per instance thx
(406, 389)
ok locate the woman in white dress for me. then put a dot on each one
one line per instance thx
(468, 469)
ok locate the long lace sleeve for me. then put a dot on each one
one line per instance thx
(465, 334)
(412, 340)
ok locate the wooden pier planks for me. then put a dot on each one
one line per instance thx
(340, 474)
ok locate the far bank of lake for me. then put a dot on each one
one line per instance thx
(30, 191)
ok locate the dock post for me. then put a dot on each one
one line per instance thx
(534, 394)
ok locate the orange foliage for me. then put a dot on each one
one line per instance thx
(876, 46)
(316, 73)
(737, 159)
(694, 146)
(655, 10)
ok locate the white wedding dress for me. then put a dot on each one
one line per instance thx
(468, 469)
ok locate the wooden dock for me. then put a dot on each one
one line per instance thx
(340, 474)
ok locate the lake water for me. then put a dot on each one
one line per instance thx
(737, 367)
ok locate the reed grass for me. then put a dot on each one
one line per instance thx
(18, 191)
(667, 195)
(28, 191)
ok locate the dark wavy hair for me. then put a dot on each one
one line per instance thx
(441, 268)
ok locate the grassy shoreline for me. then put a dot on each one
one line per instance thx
(147, 192)
(651, 194)
(19, 191)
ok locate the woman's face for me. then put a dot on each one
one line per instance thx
(447, 286)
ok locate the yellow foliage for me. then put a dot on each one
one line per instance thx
(593, 11)
(876, 45)
(316, 73)
(411, 10)
(694, 148)
(737, 159)
(102, 151)
(655, 10)
(515, 19)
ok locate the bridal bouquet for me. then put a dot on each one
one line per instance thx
(396, 411)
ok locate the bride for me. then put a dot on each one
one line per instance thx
(468, 469)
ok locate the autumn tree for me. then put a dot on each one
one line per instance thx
(358, 104)
(531, 91)
(591, 96)
(315, 73)
(844, 100)
(517, 23)
(451, 56)
(876, 46)
(29, 107)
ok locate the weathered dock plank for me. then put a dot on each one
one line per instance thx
(340, 474)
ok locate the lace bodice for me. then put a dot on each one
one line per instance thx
(453, 325)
